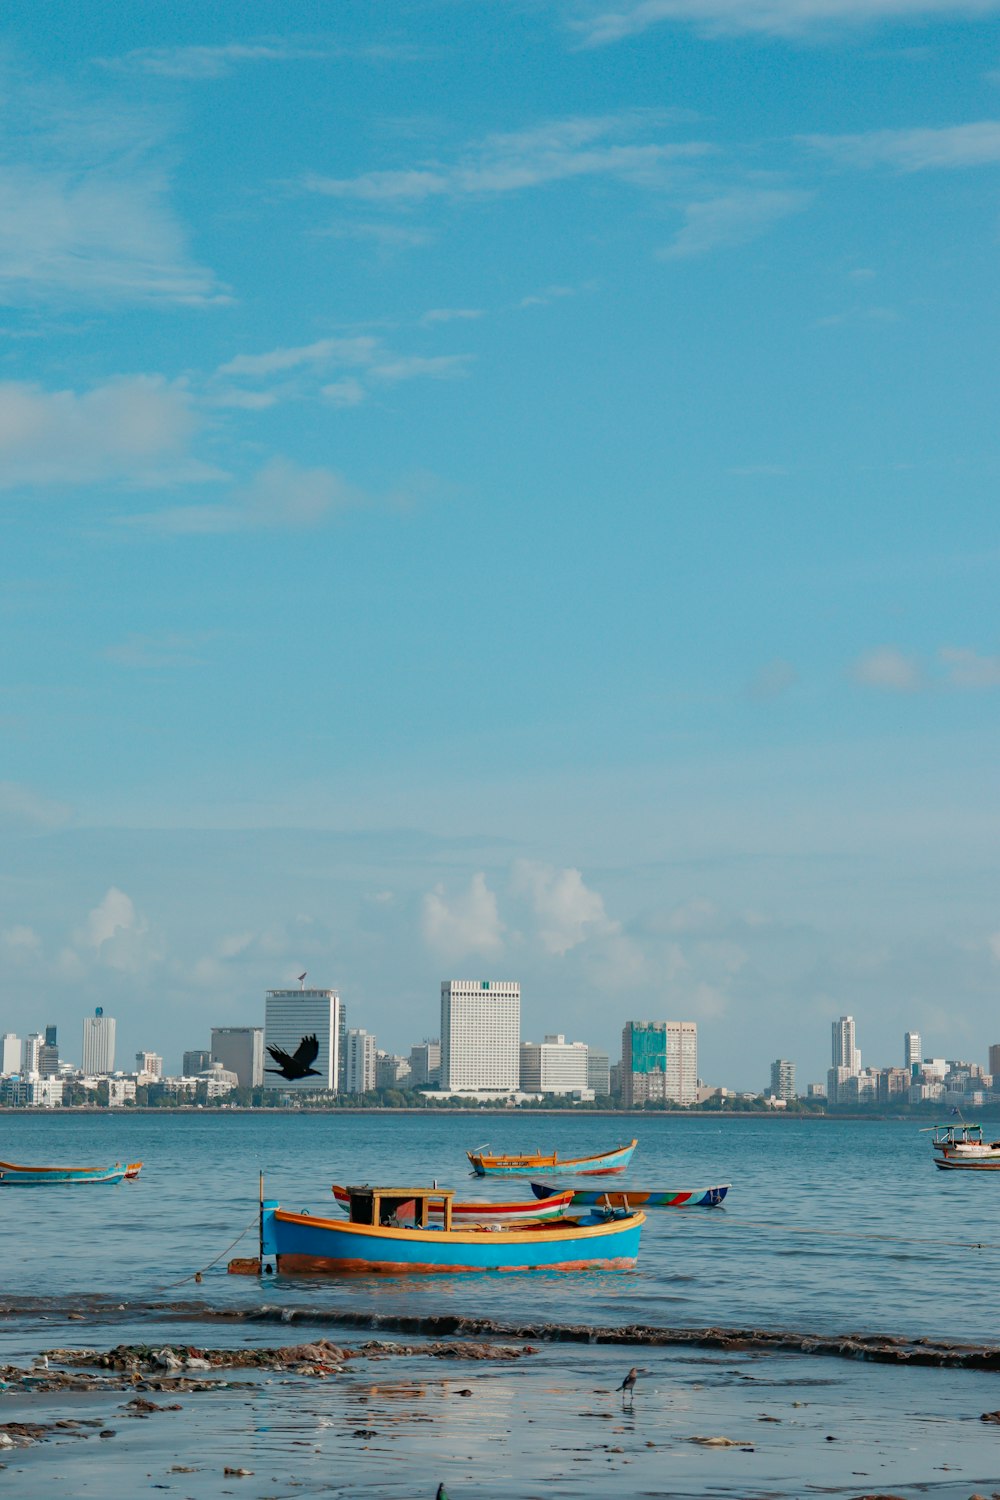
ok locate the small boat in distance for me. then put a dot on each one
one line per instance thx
(604, 1165)
(552, 1206)
(12, 1175)
(962, 1148)
(709, 1197)
(389, 1233)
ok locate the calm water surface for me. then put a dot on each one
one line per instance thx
(744, 1265)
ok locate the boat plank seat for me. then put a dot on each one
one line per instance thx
(386, 1206)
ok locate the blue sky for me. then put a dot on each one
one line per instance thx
(503, 489)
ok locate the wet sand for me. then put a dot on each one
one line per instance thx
(390, 1423)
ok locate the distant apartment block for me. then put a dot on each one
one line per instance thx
(845, 1053)
(783, 1079)
(912, 1051)
(391, 1071)
(48, 1054)
(554, 1066)
(195, 1061)
(425, 1064)
(659, 1062)
(240, 1050)
(480, 1035)
(598, 1072)
(994, 1064)
(149, 1063)
(360, 1061)
(291, 1018)
(98, 1043)
(31, 1054)
(10, 1053)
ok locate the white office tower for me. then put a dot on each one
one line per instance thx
(912, 1052)
(31, 1054)
(480, 1035)
(98, 1043)
(783, 1078)
(240, 1050)
(554, 1066)
(359, 1061)
(10, 1053)
(291, 1019)
(845, 1052)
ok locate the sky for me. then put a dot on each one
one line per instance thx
(502, 488)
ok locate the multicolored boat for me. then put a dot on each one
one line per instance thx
(962, 1148)
(551, 1206)
(709, 1197)
(375, 1240)
(12, 1175)
(605, 1165)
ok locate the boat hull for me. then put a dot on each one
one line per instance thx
(969, 1163)
(606, 1165)
(12, 1175)
(710, 1197)
(301, 1243)
(551, 1206)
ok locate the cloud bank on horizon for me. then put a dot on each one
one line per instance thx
(509, 498)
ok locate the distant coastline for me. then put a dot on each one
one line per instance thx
(480, 1112)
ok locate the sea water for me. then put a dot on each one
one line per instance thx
(830, 1226)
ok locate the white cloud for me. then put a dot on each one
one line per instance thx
(117, 935)
(450, 315)
(776, 17)
(346, 392)
(968, 669)
(21, 944)
(567, 911)
(323, 353)
(732, 219)
(135, 430)
(462, 925)
(416, 367)
(22, 807)
(281, 496)
(556, 151)
(85, 209)
(949, 146)
(199, 63)
(888, 669)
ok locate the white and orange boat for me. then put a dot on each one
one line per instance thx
(551, 1206)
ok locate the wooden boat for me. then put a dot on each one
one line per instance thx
(604, 1165)
(709, 1197)
(552, 1205)
(12, 1175)
(374, 1240)
(962, 1148)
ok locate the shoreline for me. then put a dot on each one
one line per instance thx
(500, 1111)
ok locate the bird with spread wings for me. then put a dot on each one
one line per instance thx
(297, 1064)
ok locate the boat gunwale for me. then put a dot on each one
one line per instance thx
(560, 1230)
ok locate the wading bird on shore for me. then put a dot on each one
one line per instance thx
(297, 1064)
(628, 1384)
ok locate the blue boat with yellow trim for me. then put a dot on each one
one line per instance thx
(390, 1232)
(528, 1163)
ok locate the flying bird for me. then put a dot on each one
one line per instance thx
(628, 1384)
(297, 1064)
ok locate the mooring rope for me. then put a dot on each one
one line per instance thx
(197, 1275)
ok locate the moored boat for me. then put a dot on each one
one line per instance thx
(375, 1240)
(12, 1175)
(605, 1164)
(551, 1205)
(962, 1148)
(708, 1197)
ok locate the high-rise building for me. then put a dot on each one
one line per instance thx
(292, 1017)
(783, 1078)
(598, 1072)
(48, 1054)
(659, 1062)
(912, 1051)
(360, 1061)
(240, 1050)
(99, 1043)
(195, 1062)
(554, 1066)
(480, 1035)
(425, 1064)
(150, 1063)
(994, 1064)
(845, 1053)
(10, 1053)
(31, 1054)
